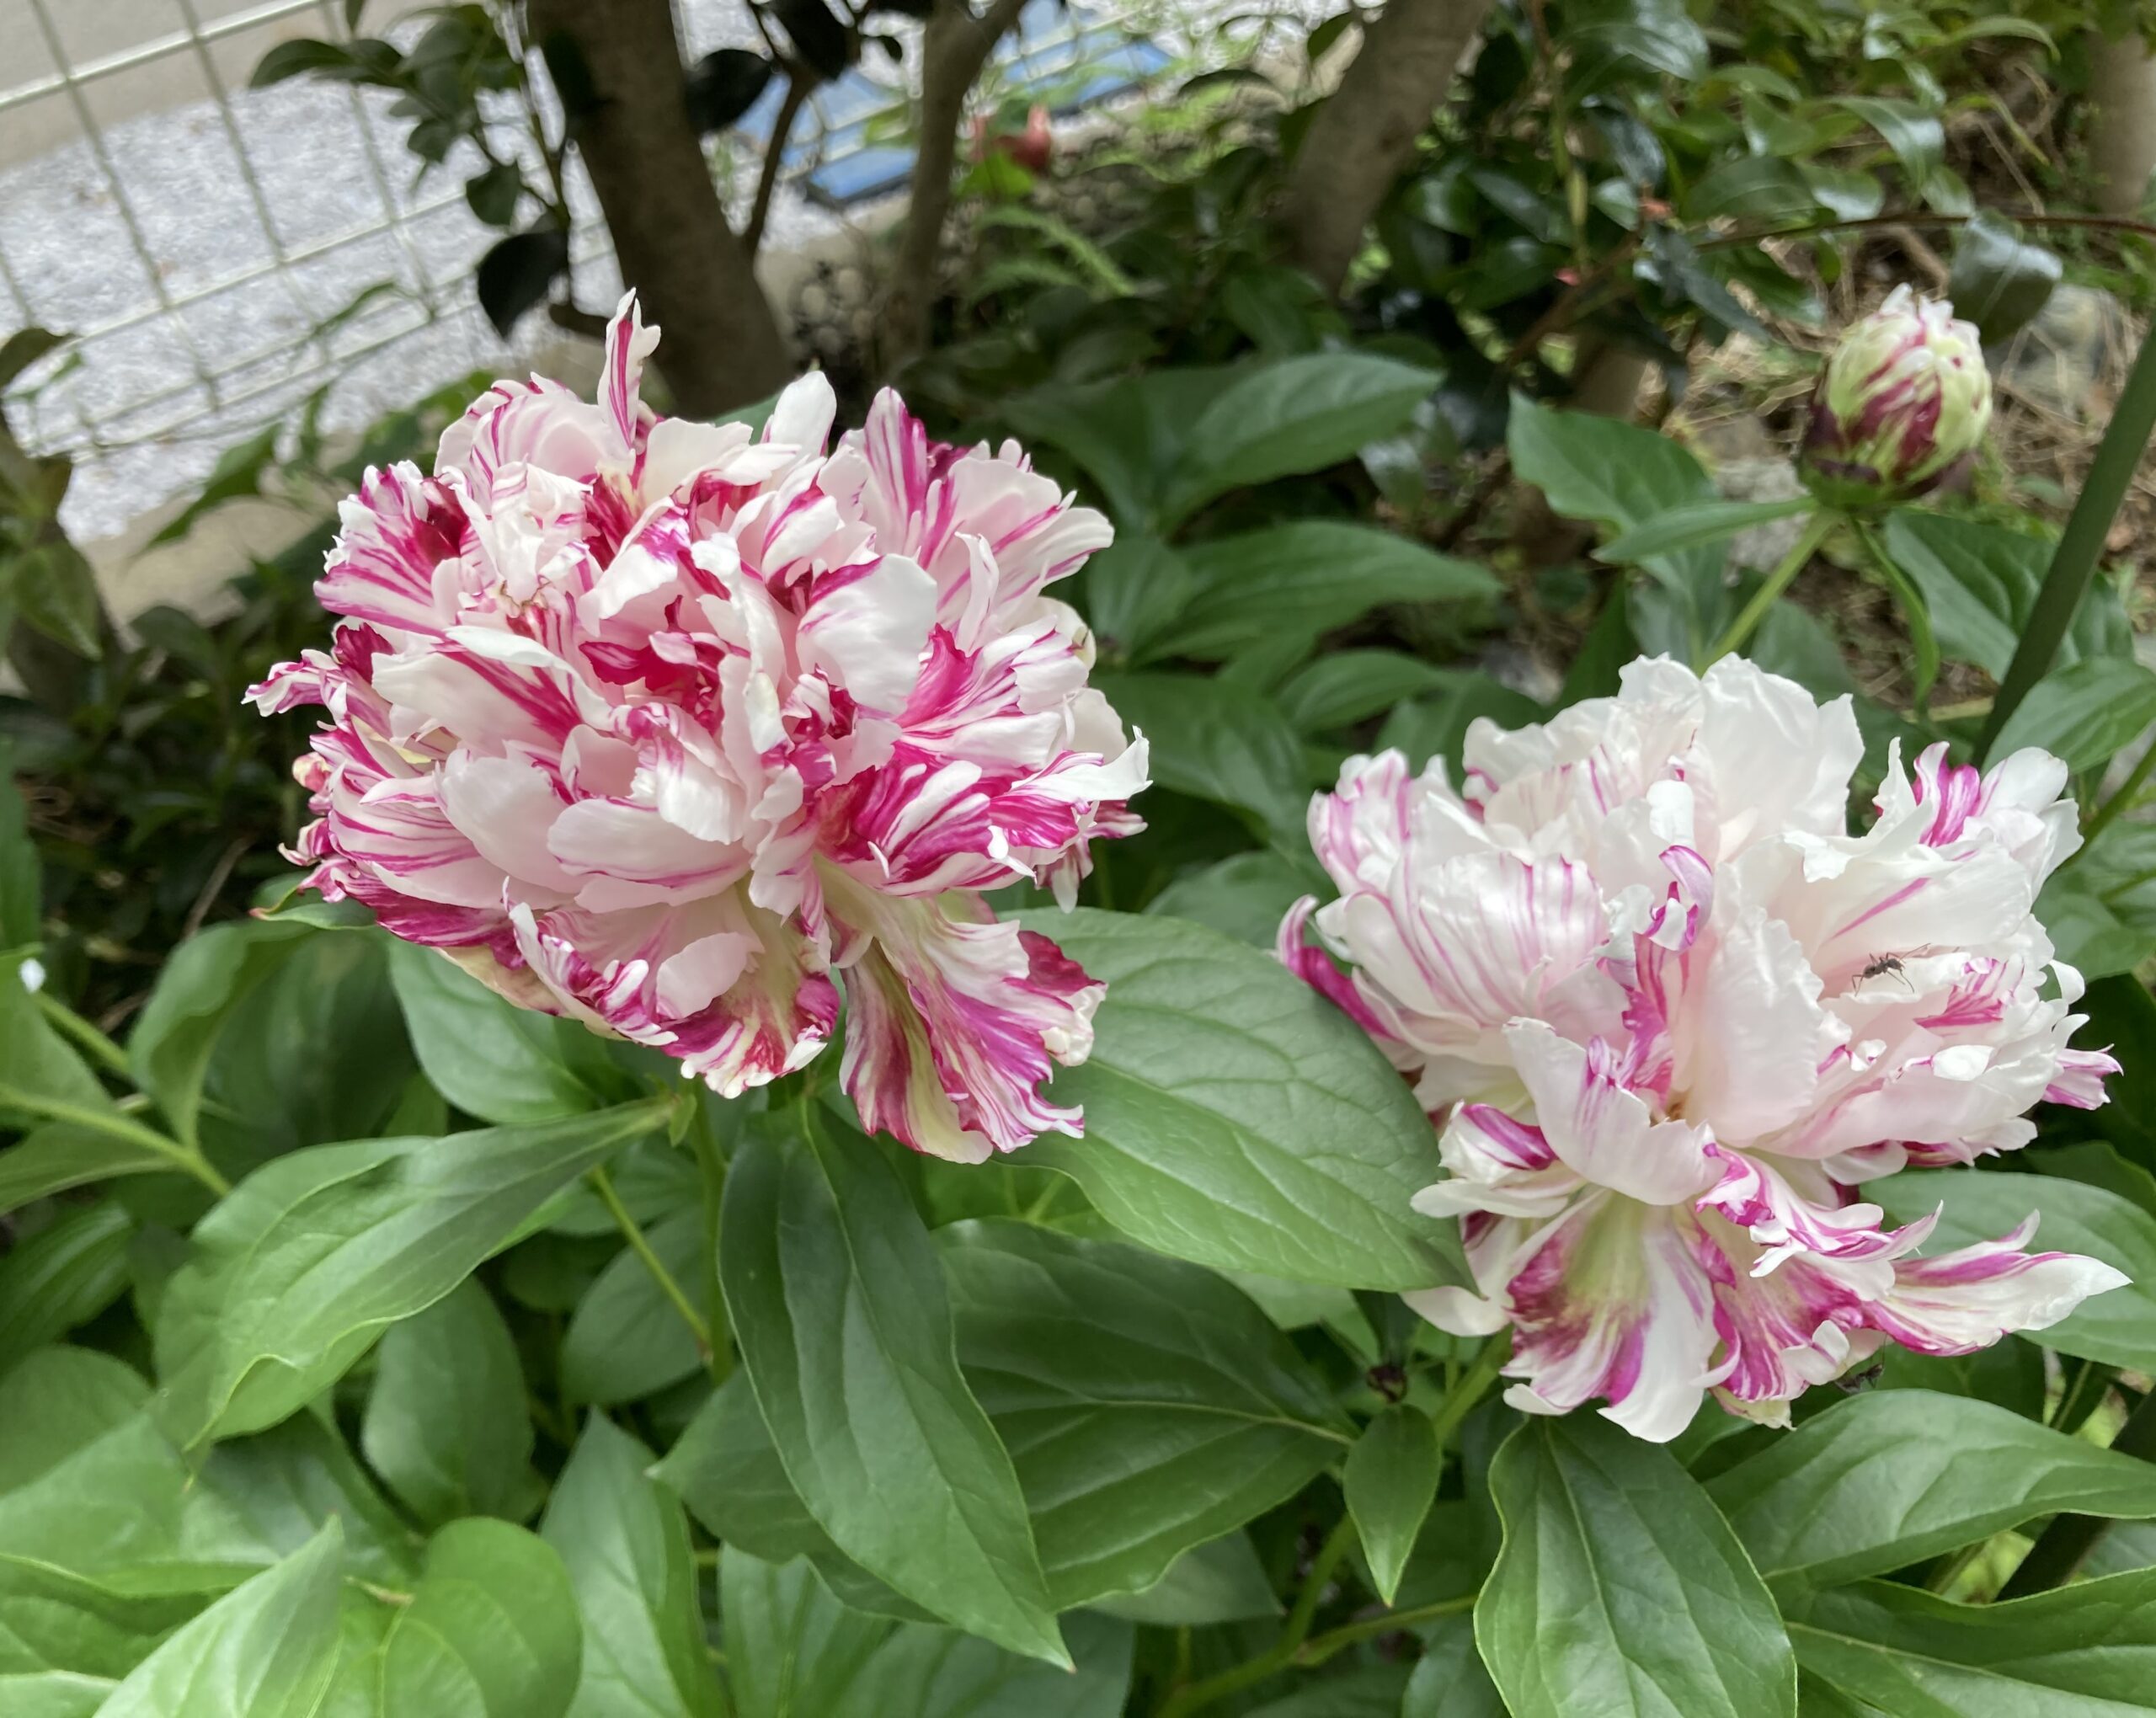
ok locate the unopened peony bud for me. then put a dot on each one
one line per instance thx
(1904, 401)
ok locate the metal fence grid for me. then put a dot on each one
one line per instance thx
(207, 254)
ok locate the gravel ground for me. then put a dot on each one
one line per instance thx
(130, 403)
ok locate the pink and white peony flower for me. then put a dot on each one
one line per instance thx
(664, 725)
(1669, 1014)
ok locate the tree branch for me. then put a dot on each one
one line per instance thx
(797, 96)
(723, 346)
(1365, 133)
(954, 47)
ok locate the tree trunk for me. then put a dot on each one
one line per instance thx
(1363, 135)
(722, 347)
(2123, 122)
(954, 47)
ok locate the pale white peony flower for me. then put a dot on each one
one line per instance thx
(1667, 1012)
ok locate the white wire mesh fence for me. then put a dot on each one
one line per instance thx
(220, 254)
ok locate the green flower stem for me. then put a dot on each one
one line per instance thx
(1294, 1647)
(1807, 545)
(633, 1232)
(711, 1169)
(85, 1034)
(116, 1126)
(2081, 546)
(1472, 1386)
(1316, 1652)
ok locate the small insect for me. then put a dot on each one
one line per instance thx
(1880, 965)
(1856, 1382)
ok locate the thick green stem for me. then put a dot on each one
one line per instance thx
(2129, 790)
(711, 1168)
(632, 1232)
(88, 1035)
(1794, 561)
(116, 1126)
(1462, 1397)
(1316, 1652)
(2073, 562)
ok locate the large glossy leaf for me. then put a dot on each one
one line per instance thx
(2118, 1326)
(625, 1339)
(116, 1501)
(490, 1058)
(626, 1544)
(491, 1630)
(1980, 580)
(1347, 687)
(1619, 1590)
(61, 1154)
(205, 979)
(35, 1062)
(2085, 1651)
(55, 1401)
(315, 1053)
(267, 1649)
(1296, 414)
(1128, 435)
(62, 1276)
(1390, 1481)
(1148, 1406)
(255, 1501)
(2083, 713)
(726, 1469)
(1219, 742)
(793, 1651)
(838, 1304)
(1219, 1583)
(1886, 1479)
(60, 1631)
(1304, 577)
(1623, 477)
(297, 1273)
(1244, 896)
(447, 1426)
(1235, 1118)
(1135, 588)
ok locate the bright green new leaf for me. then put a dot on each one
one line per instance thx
(838, 1304)
(298, 1272)
(626, 1544)
(1621, 1591)
(57, 1628)
(491, 1632)
(267, 1649)
(55, 1401)
(1391, 1479)
(1888, 1479)
(1235, 1118)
